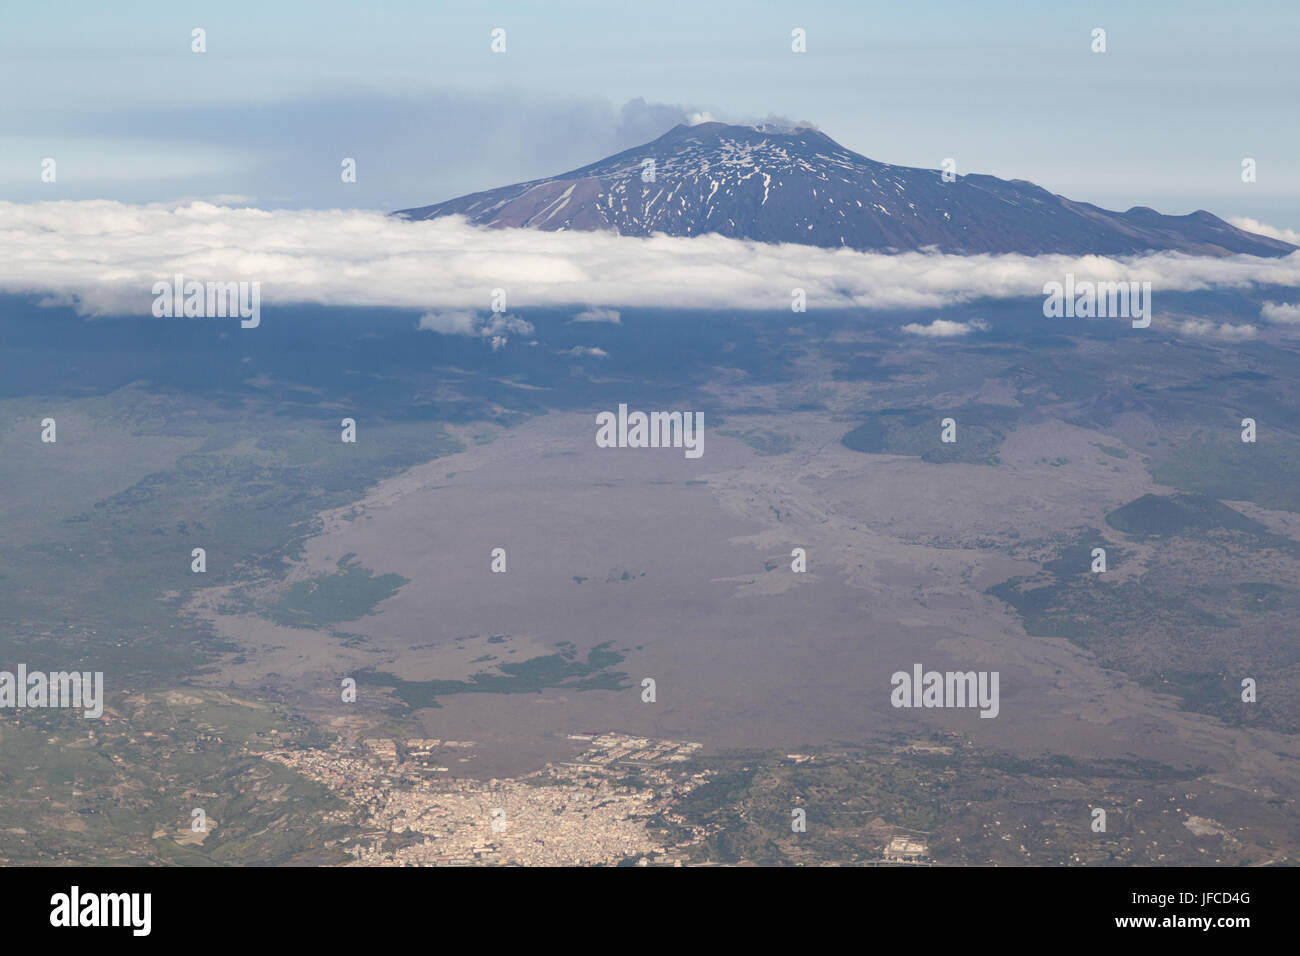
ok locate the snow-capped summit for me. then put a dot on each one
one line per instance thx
(774, 184)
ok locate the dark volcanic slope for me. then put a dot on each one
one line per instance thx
(801, 186)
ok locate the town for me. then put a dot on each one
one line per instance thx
(592, 810)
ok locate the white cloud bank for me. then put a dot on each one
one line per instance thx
(104, 257)
(495, 327)
(1263, 229)
(945, 328)
(1280, 312)
(586, 351)
(1224, 330)
(611, 316)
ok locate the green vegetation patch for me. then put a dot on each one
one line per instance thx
(1197, 617)
(121, 792)
(350, 593)
(981, 430)
(1156, 515)
(561, 670)
(1220, 465)
(947, 798)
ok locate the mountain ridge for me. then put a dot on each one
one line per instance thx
(797, 184)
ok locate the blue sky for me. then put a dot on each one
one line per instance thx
(412, 91)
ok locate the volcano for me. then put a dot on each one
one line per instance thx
(771, 184)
